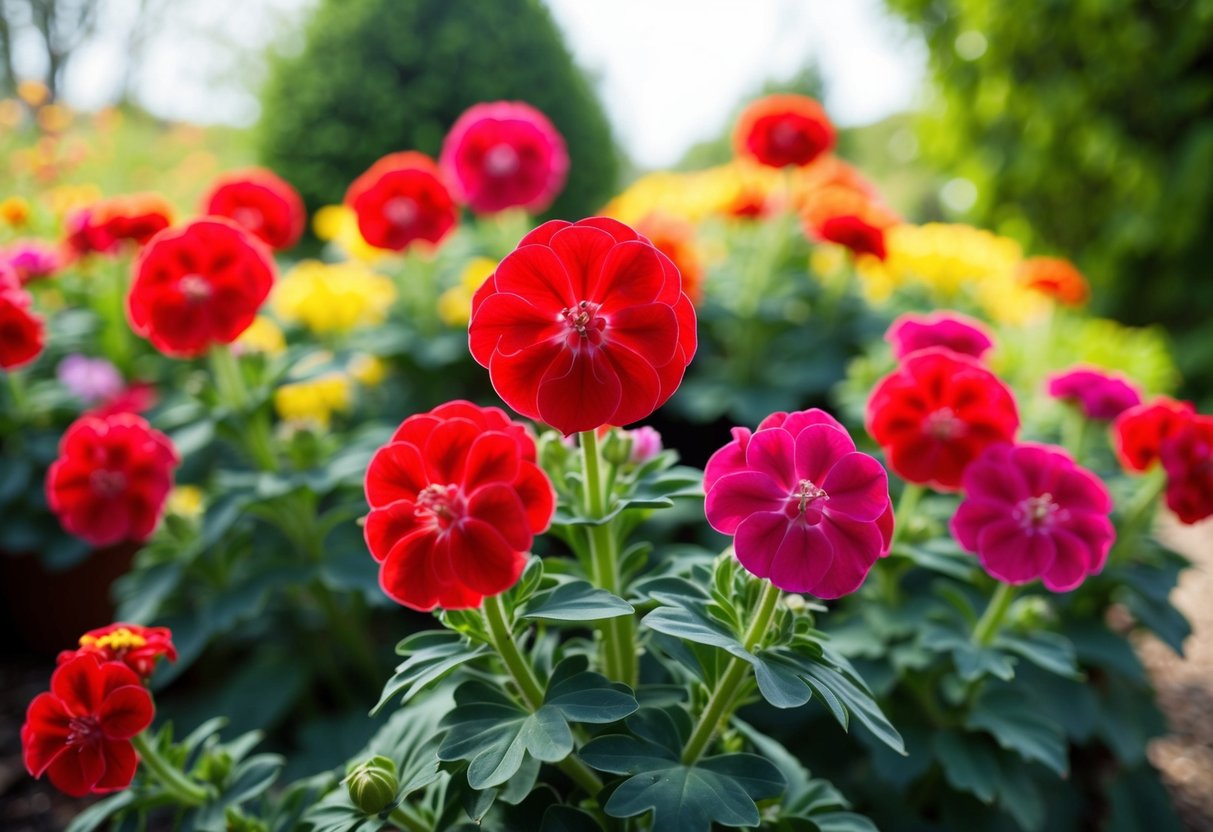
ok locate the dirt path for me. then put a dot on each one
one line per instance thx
(1185, 686)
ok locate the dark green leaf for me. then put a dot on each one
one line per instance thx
(682, 622)
(1007, 716)
(1046, 650)
(429, 656)
(968, 763)
(576, 601)
(568, 819)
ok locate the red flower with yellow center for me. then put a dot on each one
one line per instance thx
(135, 646)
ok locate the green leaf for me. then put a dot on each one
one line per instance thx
(843, 822)
(429, 657)
(972, 661)
(969, 765)
(685, 623)
(1048, 651)
(577, 601)
(1017, 726)
(100, 812)
(1020, 797)
(584, 696)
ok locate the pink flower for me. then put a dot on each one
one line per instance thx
(504, 154)
(1102, 395)
(805, 508)
(1031, 512)
(646, 444)
(950, 330)
(33, 259)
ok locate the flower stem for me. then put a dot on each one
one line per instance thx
(17, 392)
(618, 634)
(502, 635)
(722, 700)
(185, 790)
(1138, 514)
(405, 820)
(907, 504)
(1074, 432)
(229, 384)
(987, 628)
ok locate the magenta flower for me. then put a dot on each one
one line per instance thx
(32, 259)
(1031, 512)
(950, 330)
(646, 444)
(805, 508)
(1101, 394)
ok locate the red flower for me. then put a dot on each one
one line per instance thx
(111, 479)
(1187, 457)
(262, 203)
(854, 232)
(102, 226)
(80, 732)
(505, 154)
(402, 199)
(456, 501)
(936, 413)
(1139, 432)
(131, 644)
(137, 397)
(584, 325)
(22, 335)
(1057, 278)
(782, 130)
(198, 285)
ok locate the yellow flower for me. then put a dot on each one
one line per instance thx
(314, 401)
(186, 501)
(367, 370)
(15, 211)
(333, 297)
(455, 304)
(33, 93)
(264, 336)
(337, 224)
(64, 199)
(54, 118)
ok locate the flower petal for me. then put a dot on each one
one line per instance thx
(482, 559)
(639, 384)
(535, 273)
(582, 250)
(516, 378)
(1013, 555)
(857, 545)
(120, 764)
(773, 452)
(858, 487)
(498, 505)
(446, 451)
(804, 557)
(509, 324)
(818, 449)
(493, 457)
(396, 472)
(631, 274)
(649, 329)
(758, 539)
(125, 712)
(406, 574)
(387, 526)
(1069, 567)
(582, 394)
(734, 497)
(77, 771)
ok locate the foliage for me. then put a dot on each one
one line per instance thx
(377, 76)
(1086, 129)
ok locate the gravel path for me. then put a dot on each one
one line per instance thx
(1185, 686)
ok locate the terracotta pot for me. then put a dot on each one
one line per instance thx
(48, 610)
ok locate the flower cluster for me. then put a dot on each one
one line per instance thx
(456, 499)
(1171, 433)
(104, 225)
(332, 297)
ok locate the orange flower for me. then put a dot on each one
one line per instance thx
(675, 238)
(1057, 278)
(782, 130)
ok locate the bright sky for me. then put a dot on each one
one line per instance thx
(669, 71)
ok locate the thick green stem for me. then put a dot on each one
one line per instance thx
(405, 820)
(116, 336)
(229, 384)
(987, 628)
(502, 635)
(618, 634)
(723, 698)
(907, 504)
(184, 790)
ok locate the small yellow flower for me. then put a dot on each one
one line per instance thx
(368, 370)
(337, 224)
(333, 297)
(455, 304)
(64, 199)
(827, 260)
(33, 93)
(15, 211)
(314, 401)
(264, 336)
(186, 501)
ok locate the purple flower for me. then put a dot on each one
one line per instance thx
(1102, 395)
(950, 330)
(1031, 512)
(805, 508)
(90, 379)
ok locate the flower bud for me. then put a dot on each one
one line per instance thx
(617, 448)
(646, 444)
(372, 784)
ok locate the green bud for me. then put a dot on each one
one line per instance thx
(617, 449)
(372, 784)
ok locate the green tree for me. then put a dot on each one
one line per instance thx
(376, 76)
(1087, 127)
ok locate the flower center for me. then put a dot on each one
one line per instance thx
(943, 424)
(1038, 513)
(248, 217)
(807, 501)
(785, 135)
(195, 288)
(440, 504)
(119, 640)
(401, 210)
(82, 730)
(106, 483)
(584, 323)
(501, 160)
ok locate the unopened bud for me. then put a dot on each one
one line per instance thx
(617, 449)
(794, 602)
(646, 444)
(372, 784)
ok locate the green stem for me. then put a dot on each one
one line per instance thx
(16, 389)
(229, 384)
(184, 790)
(116, 334)
(403, 819)
(722, 700)
(907, 504)
(1074, 432)
(1138, 514)
(502, 635)
(991, 619)
(618, 634)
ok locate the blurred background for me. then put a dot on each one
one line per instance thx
(1083, 129)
